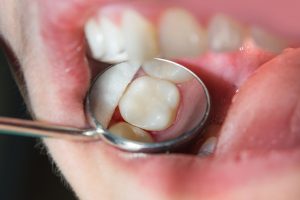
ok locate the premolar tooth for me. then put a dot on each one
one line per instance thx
(225, 34)
(113, 41)
(180, 34)
(208, 147)
(167, 71)
(141, 43)
(95, 38)
(130, 132)
(150, 103)
(267, 41)
(109, 89)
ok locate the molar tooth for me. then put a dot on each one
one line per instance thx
(95, 38)
(225, 34)
(150, 103)
(109, 89)
(208, 147)
(180, 34)
(141, 43)
(166, 71)
(267, 41)
(130, 132)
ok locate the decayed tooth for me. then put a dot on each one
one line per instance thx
(95, 38)
(208, 147)
(150, 103)
(267, 41)
(108, 90)
(141, 43)
(130, 132)
(180, 34)
(167, 71)
(225, 34)
(113, 41)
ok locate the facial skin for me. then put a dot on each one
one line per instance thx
(258, 153)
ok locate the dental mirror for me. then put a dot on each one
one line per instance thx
(151, 107)
(155, 106)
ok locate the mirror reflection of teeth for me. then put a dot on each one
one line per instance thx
(177, 34)
(150, 103)
(130, 132)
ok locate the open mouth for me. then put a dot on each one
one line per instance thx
(226, 46)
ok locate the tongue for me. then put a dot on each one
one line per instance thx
(265, 114)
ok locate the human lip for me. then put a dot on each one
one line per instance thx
(159, 172)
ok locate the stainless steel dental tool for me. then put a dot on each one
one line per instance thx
(103, 101)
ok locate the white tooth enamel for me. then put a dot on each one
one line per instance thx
(267, 41)
(130, 132)
(95, 38)
(150, 103)
(108, 90)
(141, 42)
(208, 147)
(166, 71)
(113, 41)
(225, 34)
(180, 34)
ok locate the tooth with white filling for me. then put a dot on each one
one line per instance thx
(167, 71)
(108, 90)
(180, 34)
(225, 34)
(95, 38)
(141, 42)
(267, 41)
(150, 103)
(130, 132)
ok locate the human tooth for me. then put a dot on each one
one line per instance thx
(113, 41)
(208, 147)
(225, 34)
(180, 34)
(150, 103)
(130, 132)
(95, 38)
(141, 42)
(108, 90)
(167, 71)
(267, 41)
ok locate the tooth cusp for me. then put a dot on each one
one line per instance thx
(130, 132)
(167, 71)
(150, 103)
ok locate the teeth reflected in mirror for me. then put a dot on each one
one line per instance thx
(130, 132)
(153, 102)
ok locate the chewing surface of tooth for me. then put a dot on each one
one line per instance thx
(267, 41)
(108, 90)
(113, 41)
(130, 132)
(167, 71)
(208, 147)
(225, 34)
(150, 103)
(141, 42)
(180, 34)
(95, 38)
